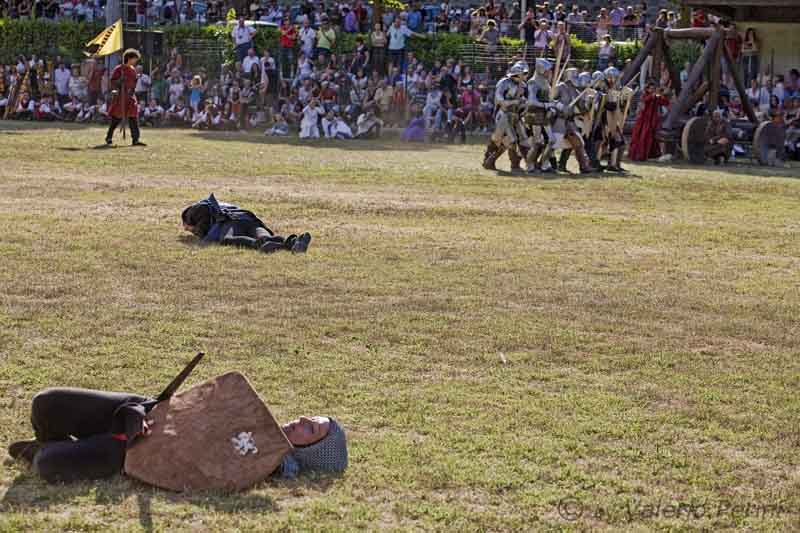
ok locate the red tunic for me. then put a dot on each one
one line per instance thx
(643, 140)
(128, 75)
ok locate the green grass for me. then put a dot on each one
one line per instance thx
(493, 344)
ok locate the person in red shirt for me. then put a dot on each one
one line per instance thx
(288, 42)
(124, 103)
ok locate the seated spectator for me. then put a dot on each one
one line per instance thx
(200, 118)
(178, 114)
(280, 128)
(47, 110)
(369, 126)
(25, 108)
(415, 131)
(153, 114)
(335, 128)
(78, 84)
(73, 109)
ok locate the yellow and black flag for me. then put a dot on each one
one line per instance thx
(107, 42)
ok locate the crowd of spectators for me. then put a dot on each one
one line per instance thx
(305, 87)
(356, 16)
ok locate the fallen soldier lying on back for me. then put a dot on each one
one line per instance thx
(216, 435)
(217, 222)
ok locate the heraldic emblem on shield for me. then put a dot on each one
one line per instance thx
(218, 435)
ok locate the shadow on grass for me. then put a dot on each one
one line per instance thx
(389, 141)
(28, 493)
(735, 168)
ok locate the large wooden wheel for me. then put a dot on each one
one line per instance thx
(693, 140)
(768, 136)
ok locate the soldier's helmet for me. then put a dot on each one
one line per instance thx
(520, 68)
(571, 75)
(611, 74)
(543, 65)
(584, 80)
(597, 77)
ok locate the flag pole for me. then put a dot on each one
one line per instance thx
(123, 89)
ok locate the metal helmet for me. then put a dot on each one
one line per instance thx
(584, 80)
(611, 74)
(598, 76)
(519, 68)
(571, 75)
(543, 65)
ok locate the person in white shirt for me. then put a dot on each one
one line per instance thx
(309, 126)
(143, 83)
(200, 119)
(242, 38)
(335, 128)
(250, 61)
(178, 114)
(308, 38)
(72, 109)
(61, 78)
(432, 104)
(78, 85)
(398, 33)
(176, 88)
(369, 126)
(153, 113)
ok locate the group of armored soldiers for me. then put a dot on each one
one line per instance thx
(583, 114)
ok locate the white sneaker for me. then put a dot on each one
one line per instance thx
(665, 158)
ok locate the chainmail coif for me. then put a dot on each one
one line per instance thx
(327, 455)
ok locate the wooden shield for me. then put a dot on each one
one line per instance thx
(768, 135)
(191, 447)
(693, 140)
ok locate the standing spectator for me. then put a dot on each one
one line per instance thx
(143, 83)
(250, 61)
(326, 41)
(308, 37)
(416, 18)
(397, 42)
(603, 23)
(62, 76)
(350, 20)
(141, 13)
(242, 39)
(378, 41)
(529, 29)
(750, 54)
(78, 85)
(542, 38)
(629, 23)
(95, 82)
(309, 126)
(287, 43)
(605, 55)
(616, 17)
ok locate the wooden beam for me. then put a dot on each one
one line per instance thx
(738, 81)
(634, 66)
(674, 75)
(658, 59)
(715, 81)
(699, 67)
(697, 95)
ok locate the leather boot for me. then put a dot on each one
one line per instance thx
(24, 449)
(515, 159)
(563, 158)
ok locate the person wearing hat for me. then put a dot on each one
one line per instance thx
(124, 103)
(491, 36)
(85, 434)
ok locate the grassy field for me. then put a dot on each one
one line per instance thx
(506, 353)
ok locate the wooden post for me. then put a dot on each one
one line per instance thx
(658, 59)
(680, 106)
(636, 64)
(674, 76)
(738, 81)
(716, 73)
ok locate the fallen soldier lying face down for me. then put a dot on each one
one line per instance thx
(217, 222)
(216, 435)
